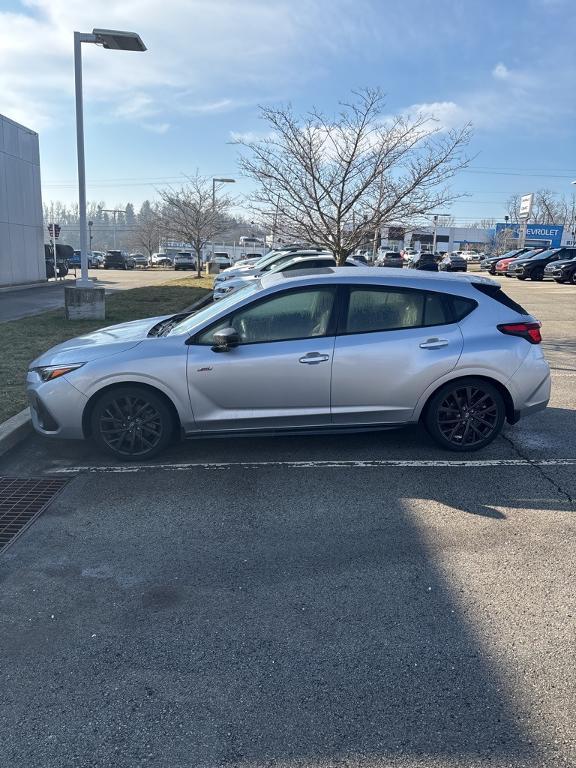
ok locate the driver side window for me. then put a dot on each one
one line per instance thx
(292, 315)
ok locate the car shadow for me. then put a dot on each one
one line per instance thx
(262, 618)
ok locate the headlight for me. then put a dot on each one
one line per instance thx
(50, 372)
(225, 289)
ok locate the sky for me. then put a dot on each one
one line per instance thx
(509, 68)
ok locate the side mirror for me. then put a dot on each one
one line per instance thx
(225, 339)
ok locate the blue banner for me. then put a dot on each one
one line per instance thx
(550, 233)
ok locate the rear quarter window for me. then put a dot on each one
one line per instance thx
(496, 293)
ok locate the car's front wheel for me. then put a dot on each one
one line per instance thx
(132, 423)
(465, 415)
(537, 274)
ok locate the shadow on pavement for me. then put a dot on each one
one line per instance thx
(247, 617)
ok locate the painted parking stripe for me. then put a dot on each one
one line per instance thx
(312, 464)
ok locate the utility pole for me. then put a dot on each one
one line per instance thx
(114, 211)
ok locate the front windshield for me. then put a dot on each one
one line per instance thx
(276, 263)
(212, 310)
(538, 252)
(544, 254)
(265, 259)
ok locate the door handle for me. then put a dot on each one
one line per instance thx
(434, 343)
(313, 358)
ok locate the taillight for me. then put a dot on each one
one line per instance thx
(528, 331)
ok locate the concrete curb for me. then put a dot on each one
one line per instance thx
(15, 429)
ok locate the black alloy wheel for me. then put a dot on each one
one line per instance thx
(465, 415)
(537, 274)
(132, 423)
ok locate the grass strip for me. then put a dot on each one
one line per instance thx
(23, 340)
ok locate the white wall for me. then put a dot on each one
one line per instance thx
(21, 225)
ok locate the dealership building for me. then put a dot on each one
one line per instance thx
(472, 238)
(21, 225)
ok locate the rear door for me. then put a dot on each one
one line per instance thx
(392, 344)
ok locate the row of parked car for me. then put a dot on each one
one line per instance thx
(427, 261)
(293, 258)
(536, 264)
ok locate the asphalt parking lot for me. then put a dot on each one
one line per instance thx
(364, 601)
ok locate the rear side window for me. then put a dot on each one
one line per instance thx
(496, 293)
(386, 309)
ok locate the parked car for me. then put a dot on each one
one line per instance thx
(140, 260)
(453, 262)
(222, 259)
(502, 266)
(294, 263)
(264, 264)
(489, 263)
(184, 261)
(326, 351)
(532, 265)
(424, 261)
(118, 260)
(563, 270)
(390, 259)
(161, 260)
(75, 262)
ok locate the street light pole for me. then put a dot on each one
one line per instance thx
(113, 40)
(113, 211)
(80, 38)
(214, 182)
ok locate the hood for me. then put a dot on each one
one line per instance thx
(105, 341)
(560, 263)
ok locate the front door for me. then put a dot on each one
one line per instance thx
(278, 375)
(393, 343)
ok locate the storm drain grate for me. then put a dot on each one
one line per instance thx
(22, 500)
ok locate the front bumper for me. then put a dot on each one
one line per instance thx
(56, 407)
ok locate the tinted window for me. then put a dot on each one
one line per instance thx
(496, 293)
(461, 307)
(386, 309)
(308, 265)
(292, 315)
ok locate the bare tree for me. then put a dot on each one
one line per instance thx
(335, 181)
(193, 214)
(548, 208)
(147, 230)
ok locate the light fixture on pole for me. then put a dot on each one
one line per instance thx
(219, 181)
(112, 40)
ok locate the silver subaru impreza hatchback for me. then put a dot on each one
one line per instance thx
(337, 349)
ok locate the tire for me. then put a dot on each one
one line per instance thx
(152, 423)
(455, 426)
(537, 274)
(521, 277)
(573, 278)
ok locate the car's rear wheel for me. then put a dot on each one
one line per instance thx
(465, 415)
(132, 423)
(573, 278)
(537, 274)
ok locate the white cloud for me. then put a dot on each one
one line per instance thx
(198, 54)
(501, 71)
(159, 128)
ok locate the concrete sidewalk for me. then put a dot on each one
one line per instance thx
(23, 302)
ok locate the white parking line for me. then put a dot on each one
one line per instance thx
(331, 464)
